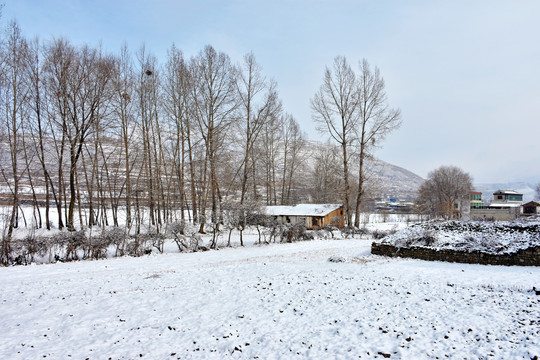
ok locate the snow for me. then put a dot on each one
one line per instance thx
(279, 301)
(495, 204)
(487, 237)
(302, 209)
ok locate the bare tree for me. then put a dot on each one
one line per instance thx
(269, 147)
(215, 103)
(445, 192)
(326, 178)
(336, 108)
(148, 88)
(123, 109)
(14, 94)
(37, 100)
(258, 101)
(178, 106)
(77, 81)
(538, 191)
(292, 145)
(376, 121)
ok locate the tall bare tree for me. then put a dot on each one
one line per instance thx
(376, 121)
(269, 147)
(335, 107)
(123, 110)
(215, 103)
(258, 101)
(292, 145)
(147, 93)
(178, 106)
(39, 130)
(14, 94)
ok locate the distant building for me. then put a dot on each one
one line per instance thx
(476, 200)
(531, 208)
(312, 216)
(505, 206)
(501, 197)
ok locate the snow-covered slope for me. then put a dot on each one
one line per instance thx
(394, 181)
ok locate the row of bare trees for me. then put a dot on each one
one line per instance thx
(92, 138)
(96, 139)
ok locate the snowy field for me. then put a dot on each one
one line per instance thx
(279, 301)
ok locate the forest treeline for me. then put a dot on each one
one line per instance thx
(92, 138)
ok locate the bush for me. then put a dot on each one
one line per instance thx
(293, 233)
(379, 234)
(187, 240)
(115, 236)
(137, 245)
(31, 246)
(71, 242)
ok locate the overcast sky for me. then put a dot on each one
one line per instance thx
(465, 74)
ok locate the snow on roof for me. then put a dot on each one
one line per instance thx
(302, 209)
(506, 192)
(504, 204)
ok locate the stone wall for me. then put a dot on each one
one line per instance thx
(528, 257)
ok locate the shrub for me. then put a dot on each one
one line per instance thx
(186, 239)
(70, 242)
(293, 233)
(115, 236)
(379, 234)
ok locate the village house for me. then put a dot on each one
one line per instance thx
(505, 206)
(531, 208)
(312, 216)
(476, 200)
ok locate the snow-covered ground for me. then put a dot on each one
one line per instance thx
(279, 301)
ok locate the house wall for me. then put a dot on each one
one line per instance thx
(531, 210)
(336, 213)
(307, 221)
(507, 214)
(292, 220)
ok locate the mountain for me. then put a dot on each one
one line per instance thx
(382, 178)
(391, 181)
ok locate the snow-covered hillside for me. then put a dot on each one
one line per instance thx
(280, 301)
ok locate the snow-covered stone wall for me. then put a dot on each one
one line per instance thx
(504, 243)
(527, 257)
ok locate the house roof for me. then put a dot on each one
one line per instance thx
(506, 192)
(532, 203)
(302, 210)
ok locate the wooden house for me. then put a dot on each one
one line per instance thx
(312, 216)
